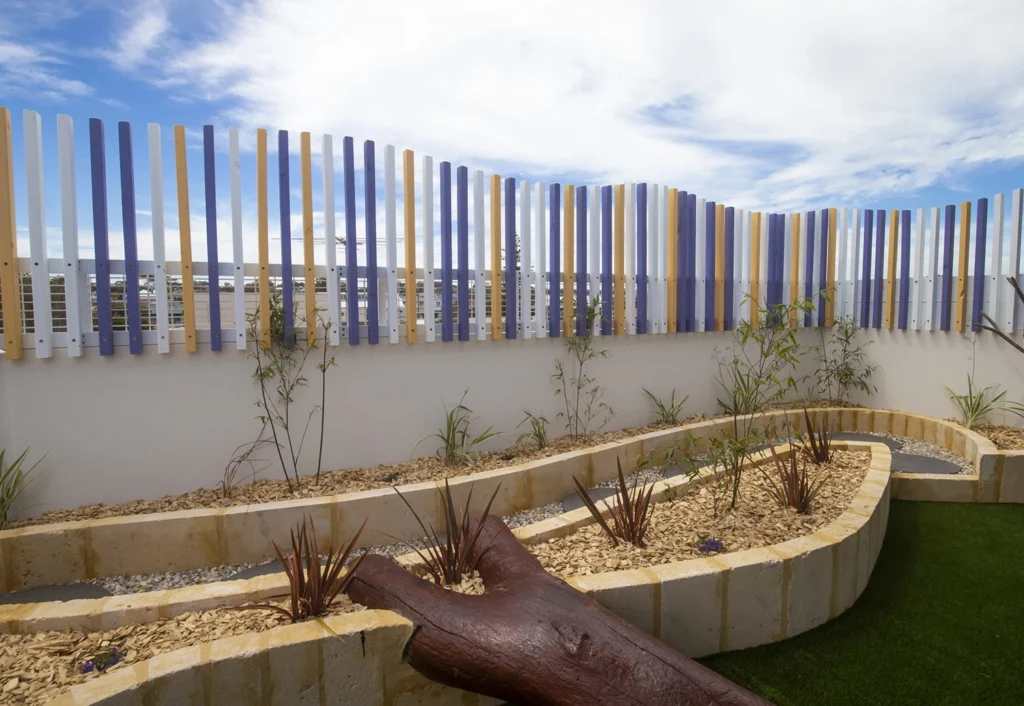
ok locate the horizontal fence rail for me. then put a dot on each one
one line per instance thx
(656, 260)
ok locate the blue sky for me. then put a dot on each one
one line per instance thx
(779, 106)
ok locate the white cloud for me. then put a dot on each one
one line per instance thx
(148, 23)
(756, 103)
(27, 70)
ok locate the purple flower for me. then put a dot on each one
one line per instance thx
(710, 546)
(87, 667)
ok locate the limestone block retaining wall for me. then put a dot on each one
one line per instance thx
(699, 607)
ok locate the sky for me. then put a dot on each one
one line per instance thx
(778, 106)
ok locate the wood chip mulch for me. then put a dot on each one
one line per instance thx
(35, 668)
(1004, 437)
(428, 468)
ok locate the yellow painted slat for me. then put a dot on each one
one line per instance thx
(495, 257)
(307, 239)
(719, 267)
(188, 297)
(965, 249)
(568, 259)
(263, 236)
(409, 201)
(755, 267)
(830, 303)
(10, 292)
(890, 275)
(619, 316)
(671, 248)
(794, 268)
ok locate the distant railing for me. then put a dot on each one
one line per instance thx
(660, 260)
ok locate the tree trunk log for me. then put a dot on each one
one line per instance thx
(532, 639)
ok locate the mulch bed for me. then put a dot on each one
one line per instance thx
(1004, 437)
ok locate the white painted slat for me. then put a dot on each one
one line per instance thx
(629, 252)
(330, 240)
(69, 229)
(801, 267)
(652, 259)
(931, 291)
(42, 312)
(479, 255)
(236, 244)
(594, 253)
(428, 248)
(391, 242)
(996, 288)
(526, 264)
(156, 188)
(764, 262)
(739, 222)
(699, 266)
(745, 268)
(842, 257)
(853, 294)
(1014, 317)
(787, 278)
(663, 260)
(918, 248)
(540, 272)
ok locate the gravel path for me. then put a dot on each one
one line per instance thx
(178, 579)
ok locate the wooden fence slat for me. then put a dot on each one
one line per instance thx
(866, 288)
(655, 300)
(330, 241)
(446, 252)
(979, 264)
(796, 249)
(787, 259)
(101, 243)
(738, 288)
(69, 229)
(351, 251)
(540, 271)
(919, 240)
(830, 266)
(904, 290)
(131, 249)
(965, 252)
(212, 256)
(308, 257)
(510, 258)
(629, 250)
(763, 263)
(890, 272)
(755, 268)
(582, 300)
(594, 256)
(607, 296)
(718, 273)
(1013, 320)
(810, 282)
(842, 253)
(462, 276)
(409, 210)
(429, 301)
(156, 205)
(663, 234)
(391, 242)
(42, 311)
(284, 193)
(878, 296)
(700, 249)
(10, 285)
(370, 228)
(479, 255)
(495, 257)
(693, 214)
(946, 296)
(263, 235)
(526, 265)
(728, 249)
(568, 264)
(238, 255)
(641, 258)
(619, 264)
(681, 259)
(555, 261)
(855, 267)
(672, 259)
(996, 288)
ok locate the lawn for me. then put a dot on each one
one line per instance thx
(941, 621)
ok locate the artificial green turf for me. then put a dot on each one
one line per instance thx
(940, 622)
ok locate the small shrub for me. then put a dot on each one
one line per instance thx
(585, 408)
(457, 444)
(819, 440)
(630, 516)
(790, 485)
(976, 405)
(312, 587)
(14, 478)
(103, 661)
(536, 434)
(841, 363)
(449, 554)
(709, 545)
(667, 411)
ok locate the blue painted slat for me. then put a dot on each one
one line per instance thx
(730, 266)
(554, 260)
(581, 260)
(879, 282)
(351, 259)
(680, 236)
(446, 252)
(691, 262)
(774, 252)
(904, 270)
(709, 266)
(511, 290)
(462, 230)
(285, 194)
(865, 297)
(981, 235)
(213, 264)
(641, 258)
(606, 261)
(947, 269)
(370, 213)
(809, 266)
(823, 267)
(98, 163)
(131, 250)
